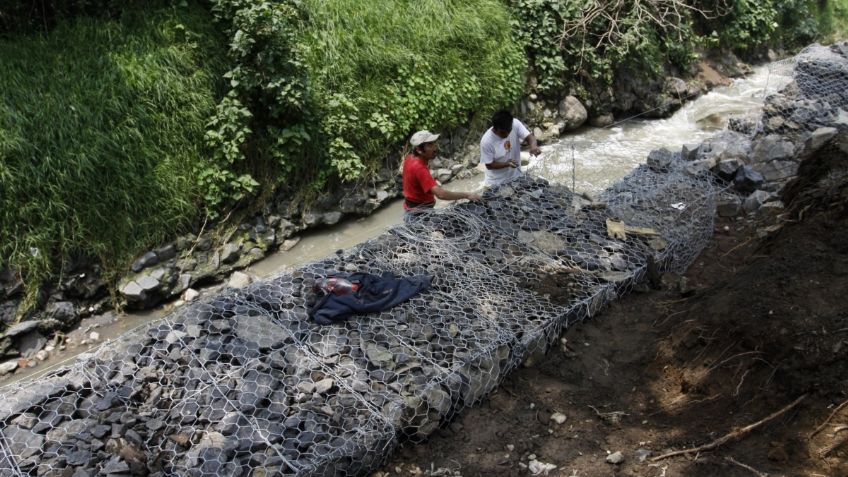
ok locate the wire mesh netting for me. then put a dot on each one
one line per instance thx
(244, 384)
(816, 97)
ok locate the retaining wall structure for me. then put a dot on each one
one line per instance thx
(245, 385)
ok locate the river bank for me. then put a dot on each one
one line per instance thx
(174, 272)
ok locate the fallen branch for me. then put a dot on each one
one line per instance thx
(732, 435)
(745, 466)
(818, 429)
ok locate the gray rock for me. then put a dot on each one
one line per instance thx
(260, 330)
(230, 252)
(754, 201)
(602, 121)
(62, 311)
(311, 219)
(779, 170)
(323, 386)
(166, 253)
(239, 280)
(819, 138)
(8, 367)
(772, 148)
(726, 170)
(725, 146)
(23, 443)
(729, 207)
(747, 180)
(332, 218)
(30, 343)
(660, 159)
(572, 112)
(21, 328)
(146, 260)
(690, 151)
(615, 458)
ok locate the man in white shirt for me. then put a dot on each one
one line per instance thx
(500, 148)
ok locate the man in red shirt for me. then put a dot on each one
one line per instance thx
(419, 188)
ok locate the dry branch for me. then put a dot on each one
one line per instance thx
(732, 435)
(818, 429)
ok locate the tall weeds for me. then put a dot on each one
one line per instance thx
(101, 127)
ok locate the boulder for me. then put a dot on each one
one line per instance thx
(602, 121)
(660, 159)
(726, 170)
(689, 152)
(747, 180)
(729, 207)
(754, 201)
(239, 280)
(146, 260)
(772, 148)
(819, 138)
(572, 112)
(230, 252)
(725, 146)
(775, 171)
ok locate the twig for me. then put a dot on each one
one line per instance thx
(737, 246)
(818, 429)
(732, 435)
(742, 380)
(824, 451)
(732, 357)
(745, 466)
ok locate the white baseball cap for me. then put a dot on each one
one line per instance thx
(422, 137)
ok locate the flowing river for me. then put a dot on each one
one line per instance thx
(591, 159)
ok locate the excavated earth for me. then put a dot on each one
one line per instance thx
(757, 323)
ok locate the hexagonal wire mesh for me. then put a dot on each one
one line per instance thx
(245, 384)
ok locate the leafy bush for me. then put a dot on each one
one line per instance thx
(101, 127)
(336, 85)
(591, 42)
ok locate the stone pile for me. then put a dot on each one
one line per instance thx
(245, 384)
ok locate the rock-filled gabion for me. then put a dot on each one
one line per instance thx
(246, 385)
(816, 97)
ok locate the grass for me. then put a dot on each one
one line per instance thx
(101, 127)
(404, 65)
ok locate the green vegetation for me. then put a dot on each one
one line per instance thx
(323, 91)
(101, 126)
(121, 122)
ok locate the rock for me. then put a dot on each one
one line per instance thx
(323, 386)
(772, 148)
(190, 295)
(726, 170)
(747, 180)
(676, 87)
(701, 166)
(660, 159)
(729, 207)
(558, 417)
(63, 311)
(260, 330)
(289, 244)
(690, 151)
(42, 355)
(166, 253)
(230, 252)
(819, 138)
(725, 146)
(540, 468)
(602, 121)
(21, 328)
(146, 260)
(23, 443)
(572, 112)
(331, 218)
(615, 458)
(443, 175)
(28, 344)
(775, 171)
(642, 454)
(239, 280)
(8, 367)
(94, 336)
(754, 201)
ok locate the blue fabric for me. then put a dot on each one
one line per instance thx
(376, 293)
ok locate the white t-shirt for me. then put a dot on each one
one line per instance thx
(494, 148)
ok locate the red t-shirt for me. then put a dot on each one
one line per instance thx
(418, 183)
